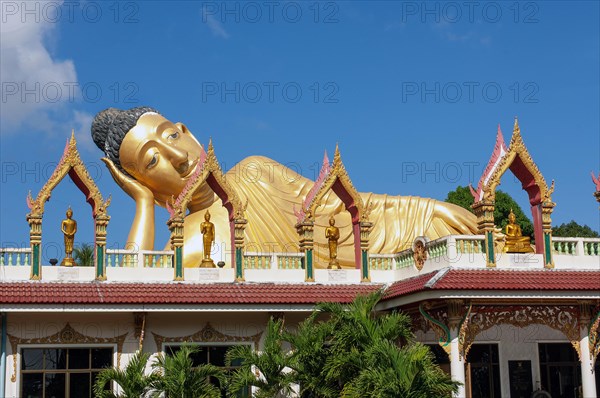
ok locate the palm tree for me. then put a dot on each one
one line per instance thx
(132, 381)
(84, 255)
(357, 352)
(180, 379)
(310, 351)
(275, 378)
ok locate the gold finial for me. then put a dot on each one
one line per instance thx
(211, 149)
(72, 141)
(516, 128)
(337, 157)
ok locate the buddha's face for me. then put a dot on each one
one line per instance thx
(207, 216)
(331, 222)
(69, 213)
(511, 218)
(159, 154)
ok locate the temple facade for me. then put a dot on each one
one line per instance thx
(505, 317)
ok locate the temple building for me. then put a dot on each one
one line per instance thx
(504, 316)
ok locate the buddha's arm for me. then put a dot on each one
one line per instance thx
(141, 234)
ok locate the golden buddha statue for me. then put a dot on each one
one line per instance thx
(152, 158)
(515, 242)
(332, 233)
(68, 228)
(208, 237)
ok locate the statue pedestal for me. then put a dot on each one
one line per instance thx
(207, 263)
(334, 264)
(68, 262)
(519, 246)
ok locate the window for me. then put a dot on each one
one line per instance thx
(484, 371)
(61, 372)
(214, 355)
(560, 370)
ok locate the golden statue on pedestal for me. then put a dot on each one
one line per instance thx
(515, 241)
(68, 228)
(208, 237)
(332, 233)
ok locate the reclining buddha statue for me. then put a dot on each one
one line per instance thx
(152, 158)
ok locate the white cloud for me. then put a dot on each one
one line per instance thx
(215, 26)
(82, 123)
(34, 83)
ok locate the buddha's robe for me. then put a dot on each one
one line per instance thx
(272, 191)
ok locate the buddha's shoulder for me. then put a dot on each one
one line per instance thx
(267, 170)
(257, 161)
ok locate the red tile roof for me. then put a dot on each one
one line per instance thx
(495, 279)
(408, 286)
(282, 293)
(177, 293)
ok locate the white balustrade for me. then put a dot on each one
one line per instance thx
(382, 261)
(255, 260)
(15, 257)
(157, 259)
(121, 258)
(576, 246)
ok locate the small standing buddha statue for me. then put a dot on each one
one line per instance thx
(68, 228)
(332, 233)
(208, 237)
(515, 241)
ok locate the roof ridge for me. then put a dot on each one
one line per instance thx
(438, 275)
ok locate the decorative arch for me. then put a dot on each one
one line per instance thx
(208, 334)
(335, 177)
(517, 159)
(208, 171)
(66, 336)
(70, 164)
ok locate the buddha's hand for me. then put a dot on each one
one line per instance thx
(133, 188)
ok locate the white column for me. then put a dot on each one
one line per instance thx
(457, 363)
(588, 380)
(451, 250)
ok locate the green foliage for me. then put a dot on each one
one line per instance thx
(341, 350)
(271, 362)
(180, 379)
(461, 197)
(84, 255)
(131, 380)
(573, 229)
(357, 352)
(504, 203)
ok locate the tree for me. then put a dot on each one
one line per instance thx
(132, 380)
(504, 204)
(180, 379)
(275, 377)
(364, 354)
(84, 255)
(573, 229)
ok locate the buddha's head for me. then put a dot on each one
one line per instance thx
(331, 221)
(143, 144)
(511, 217)
(69, 213)
(207, 216)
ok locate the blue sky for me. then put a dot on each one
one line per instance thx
(412, 92)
